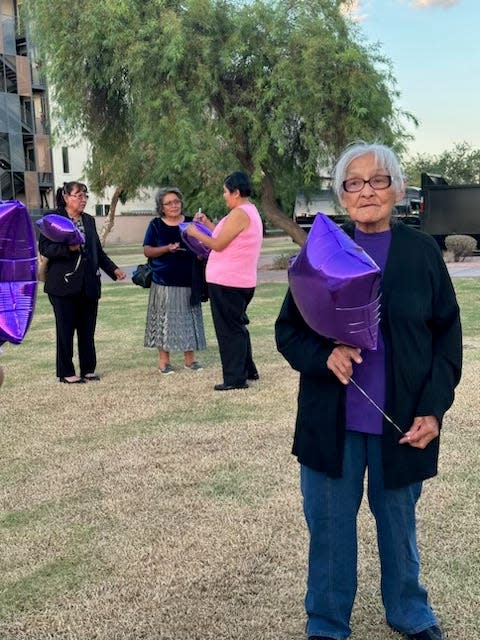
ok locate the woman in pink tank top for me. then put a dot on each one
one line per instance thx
(231, 275)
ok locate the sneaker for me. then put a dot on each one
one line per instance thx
(167, 369)
(195, 366)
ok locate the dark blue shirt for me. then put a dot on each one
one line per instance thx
(172, 269)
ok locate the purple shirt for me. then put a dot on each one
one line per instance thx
(361, 415)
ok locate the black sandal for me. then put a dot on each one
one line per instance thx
(78, 381)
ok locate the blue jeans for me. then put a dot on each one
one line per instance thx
(331, 506)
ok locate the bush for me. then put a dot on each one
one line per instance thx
(282, 262)
(460, 246)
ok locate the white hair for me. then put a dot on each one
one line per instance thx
(384, 156)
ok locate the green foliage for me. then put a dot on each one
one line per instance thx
(460, 165)
(82, 44)
(185, 92)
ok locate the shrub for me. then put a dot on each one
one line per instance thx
(282, 262)
(460, 246)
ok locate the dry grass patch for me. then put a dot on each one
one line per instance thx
(150, 507)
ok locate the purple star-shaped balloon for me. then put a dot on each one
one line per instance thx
(197, 246)
(18, 271)
(60, 229)
(336, 286)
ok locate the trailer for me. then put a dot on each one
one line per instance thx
(449, 209)
(311, 200)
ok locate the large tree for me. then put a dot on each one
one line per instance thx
(459, 165)
(186, 91)
(81, 44)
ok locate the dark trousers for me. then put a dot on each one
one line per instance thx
(229, 313)
(75, 313)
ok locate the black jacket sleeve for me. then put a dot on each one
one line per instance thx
(303, 348)
(438, 391)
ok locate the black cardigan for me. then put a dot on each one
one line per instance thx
(420, 322)
(62, 261)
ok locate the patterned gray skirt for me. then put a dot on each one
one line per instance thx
(172, 323)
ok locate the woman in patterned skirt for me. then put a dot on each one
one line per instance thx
(174, 315)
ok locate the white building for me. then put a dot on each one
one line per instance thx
(69, 164)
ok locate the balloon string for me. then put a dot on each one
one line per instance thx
(376, 406)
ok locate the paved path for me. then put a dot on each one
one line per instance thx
(470, 268)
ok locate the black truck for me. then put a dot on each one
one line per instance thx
(449, 209)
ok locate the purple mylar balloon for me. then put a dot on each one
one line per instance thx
(336, 286)
(201, 250)
(60, 229)
(18, 271)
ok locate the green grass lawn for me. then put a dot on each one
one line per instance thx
(132, 254)
(146, 508)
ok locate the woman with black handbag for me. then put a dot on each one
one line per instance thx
(174, 314)
(73, 285)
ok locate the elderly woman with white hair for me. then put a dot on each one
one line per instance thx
(340, 433)
(174, 315)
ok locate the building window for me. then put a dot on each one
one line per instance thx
(102, 209)
(66, 164)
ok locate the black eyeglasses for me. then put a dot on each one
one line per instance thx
(171, 203)
(78, 196)
(354, 185)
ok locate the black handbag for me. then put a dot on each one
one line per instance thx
(142, 276)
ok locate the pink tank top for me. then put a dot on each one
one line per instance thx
(236, 265)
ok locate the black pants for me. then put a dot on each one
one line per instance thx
(229, 307)
(75, 313)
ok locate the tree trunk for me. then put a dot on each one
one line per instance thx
(110, 221)
(276, 216)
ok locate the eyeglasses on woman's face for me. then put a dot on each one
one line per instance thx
(171, 203)
(81, 195)
(354, 185)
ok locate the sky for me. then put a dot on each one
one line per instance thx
(434, 48)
